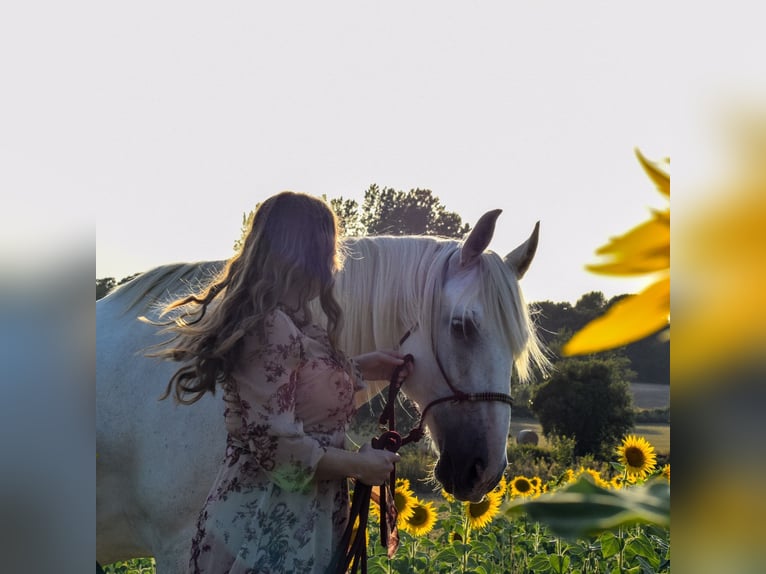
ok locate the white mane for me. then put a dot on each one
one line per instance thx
(388, 285)
(397, 284)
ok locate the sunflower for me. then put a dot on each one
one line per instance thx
(447, 496)
(637, 455)
(568, 476)
(422, 520)
(644, 250)
(522, 486)
(665, 473)
(618, 482)
(482, 513)
(501, 486)
(457, 537)
(595, 477)
(404, 499)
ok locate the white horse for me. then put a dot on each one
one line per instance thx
(468, 326)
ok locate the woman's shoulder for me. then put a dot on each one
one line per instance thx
(281, 322)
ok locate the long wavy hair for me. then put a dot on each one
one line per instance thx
(290, 252)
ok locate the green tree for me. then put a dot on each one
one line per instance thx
(418, 212)
(103, 286)
(587, 400)
(387, 212)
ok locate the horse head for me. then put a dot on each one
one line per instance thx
(479, 328)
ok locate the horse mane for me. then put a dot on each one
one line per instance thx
(389, 285)
(396, 283)
(152, 290)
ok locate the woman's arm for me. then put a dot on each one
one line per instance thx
(368, 465)
(379, 365)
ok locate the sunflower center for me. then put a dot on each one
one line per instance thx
(523, 485)
(401, 501)
(635, 456)
(479, 508)
(419, 517)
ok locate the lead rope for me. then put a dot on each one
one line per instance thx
(353, 545)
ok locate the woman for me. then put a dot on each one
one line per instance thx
(280, 500)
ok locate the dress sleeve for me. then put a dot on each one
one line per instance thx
(359, 383)
(267, 380)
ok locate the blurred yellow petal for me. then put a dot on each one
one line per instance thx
(658, 171)
(643, 249)
(628, 320)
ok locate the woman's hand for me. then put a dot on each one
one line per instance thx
(374, 465)
(379, 365)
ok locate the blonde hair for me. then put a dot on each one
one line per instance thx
(291, 247)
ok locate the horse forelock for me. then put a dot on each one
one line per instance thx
(389, 285)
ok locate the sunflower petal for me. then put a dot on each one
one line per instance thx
(628, 320)
(658, 171)
(643, 249)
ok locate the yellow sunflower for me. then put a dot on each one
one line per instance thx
(643, 250)
(457, 537)
(501, 486)
(422, 520)
(638, 456)
(482, 513)
(666, 472)
(569, 476)
(596, 477)
(522, 486)
(617, 482)
(404, 499)
(447, 496)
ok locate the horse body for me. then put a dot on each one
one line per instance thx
(461, 305)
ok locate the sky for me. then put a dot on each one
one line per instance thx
(166, 122)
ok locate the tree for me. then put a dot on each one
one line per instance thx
(587, 400)
(417, 212)
(103, 286)
(387, 212)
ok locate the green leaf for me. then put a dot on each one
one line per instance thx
(448, 556)
(540, 563)
(583, 509)
(610, 545)
(559, 563)
(642, 548)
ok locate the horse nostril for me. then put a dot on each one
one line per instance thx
(476, 470)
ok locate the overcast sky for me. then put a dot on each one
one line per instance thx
(165, 122)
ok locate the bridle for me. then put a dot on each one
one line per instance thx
(353, 552)
(457, 396)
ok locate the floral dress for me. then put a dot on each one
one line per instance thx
(288, 401)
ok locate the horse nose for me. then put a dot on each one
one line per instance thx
(460, 477)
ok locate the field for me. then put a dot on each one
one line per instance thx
(645, 396)
(510, 542)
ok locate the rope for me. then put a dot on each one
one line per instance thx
(353, 545)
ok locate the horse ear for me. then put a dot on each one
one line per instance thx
(479, 238)
(520, 258)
